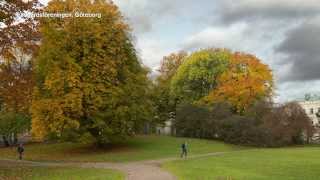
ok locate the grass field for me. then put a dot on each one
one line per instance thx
(292, 163)
(301, 163)
(15, 172)
(135, 149)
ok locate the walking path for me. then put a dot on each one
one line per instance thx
(140, 170)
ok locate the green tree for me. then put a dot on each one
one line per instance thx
(164, 102)
(11, 124)
(199, 73)
(89, 78)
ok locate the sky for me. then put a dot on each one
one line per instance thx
(284, 34)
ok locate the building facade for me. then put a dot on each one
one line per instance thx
(312, 108)
(165, 129)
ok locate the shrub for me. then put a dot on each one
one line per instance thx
(262, 125)
(192, 120)
(288, 124)
(11, 124)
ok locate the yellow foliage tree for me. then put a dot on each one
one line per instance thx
(89, 78)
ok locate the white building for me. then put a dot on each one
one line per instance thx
(165, 129)
(312, 108)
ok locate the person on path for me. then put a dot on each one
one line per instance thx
(184, 150)
(20, 151)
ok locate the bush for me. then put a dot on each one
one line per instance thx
(11, 124)
(288, 124)
(262, 125)
(192, 120)
(241, 130)
(200, 121)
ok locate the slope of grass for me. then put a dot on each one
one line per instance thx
(135, 149)
(264, 164)
(57, 173)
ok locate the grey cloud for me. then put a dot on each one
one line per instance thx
(140, 23)
(246, 10)
(302, 50)
(290, 91)
(144, 14)
(299, 46)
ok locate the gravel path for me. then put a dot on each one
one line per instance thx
(140, 170)
(134, 171)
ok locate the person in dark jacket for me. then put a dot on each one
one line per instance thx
(184, 150)
(20, 151)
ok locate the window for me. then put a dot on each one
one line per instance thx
(311, 111)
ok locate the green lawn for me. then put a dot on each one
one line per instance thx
(138, 148)
(56, 173)
(300, 163)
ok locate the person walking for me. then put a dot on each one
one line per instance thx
(20, 151)
(184, 150)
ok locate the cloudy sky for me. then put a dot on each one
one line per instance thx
(285, 34)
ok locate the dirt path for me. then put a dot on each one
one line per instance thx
(140, 170)
(134, 170)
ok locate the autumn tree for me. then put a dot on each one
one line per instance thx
(18, 43)
(164, 103)
(19, 37)
(16, 83)
(246, 81)
(170, 64)
(89, 78)
(287, 124)
(198, 75)
(18, 33)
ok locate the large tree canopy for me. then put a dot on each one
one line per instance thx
(17, 31)
(88, 75)
(219, 75)
(199, 73)
(246, 81)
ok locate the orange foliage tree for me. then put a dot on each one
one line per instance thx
(170, 64)
(244, 82)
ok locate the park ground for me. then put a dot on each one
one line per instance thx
(9, 170)
(159, 156)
